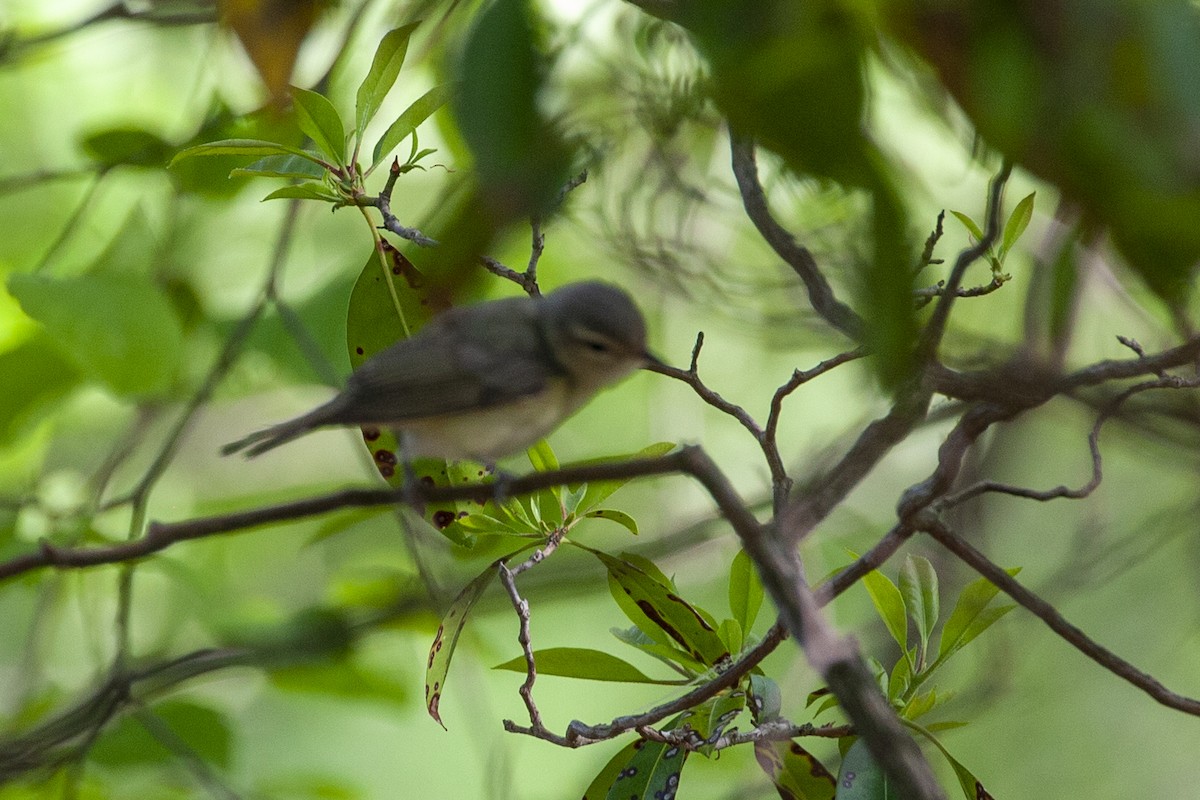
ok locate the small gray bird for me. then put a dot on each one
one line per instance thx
(488, 380)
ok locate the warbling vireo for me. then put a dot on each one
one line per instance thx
(488, 380)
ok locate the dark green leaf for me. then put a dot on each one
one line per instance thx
(36, 376)
(654, 770)
(598, 788)
(320, 121)
(584, 664)
(731, 634)
(599, 491)
(244, 147)
(127, 146)
(766, 699)
(668, 652)
(284, 166)
(405, 124)
(796, 773)
(204, 730)
(745, 590)
(653, 604)
(861, 778)
(304, 191)
(919, 587)
(971, 786)
(385, 68)
(115, 328)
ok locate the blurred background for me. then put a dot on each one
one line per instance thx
(303, 644)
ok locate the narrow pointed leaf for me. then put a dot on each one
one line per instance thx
(319, 121)
(972, 601)
(652, 603)
(303, 191)
(599, 491)
(971, 786)
(1018, 221)
(404, 125)
(244, 147)
(668, 653)
(890, 605)
(970, 224)
(280, 166)
(919, 588)
(796, 773)
(619, 517)
(745, 591)
(446, 639)
(385, 68)
(584, 664)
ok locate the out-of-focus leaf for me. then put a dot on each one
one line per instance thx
(339, 679)
(243, 147)
(542, 459)
(127, 146)
(919, 588)
(321, 122)
(128, 743)
(36, 375)
(971, 225)
(404, 125)
(271, 31)
(653, 605)
(619, 517)
(385, 68)
(796, 773)
(584, 664)
(861, 777)
(971, 616)
(766, 699)
(745, 590)
(117, 329)
(520, 159)
(889, 603)
(213, 176)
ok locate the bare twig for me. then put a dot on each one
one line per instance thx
(795, 255)
(521, 605)
(1055, 621)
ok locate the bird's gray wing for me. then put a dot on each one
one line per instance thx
(459, 362)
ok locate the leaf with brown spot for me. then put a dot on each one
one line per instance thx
(796, 773)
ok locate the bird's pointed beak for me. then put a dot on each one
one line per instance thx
(653, 362)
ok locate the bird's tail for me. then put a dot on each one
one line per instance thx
(260, 442)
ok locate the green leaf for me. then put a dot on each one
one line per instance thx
(653, 770)
(970, 225)
(542, 457)
(652, 604)
(745, 590)
(36, 377)
(919, 588)
(971, 616)
(598, 788)
(619, 517)
(444, 642)
(889, 604)
(385, 68)
(971, 786)
(320, 121)
(584, 664)
(599, 491)
(711, 718)
(899, 679)
(1017, 222)
(118, 329)
(731, 634)
(405, 124)
(283, 166)
(128, 147)
(245, 147)
(304, 191)
(796, 773)
(766, 699)
(861, 778)
(340, 679)
(129, 743)
(667, 652)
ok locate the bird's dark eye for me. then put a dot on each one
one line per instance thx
(598, 347)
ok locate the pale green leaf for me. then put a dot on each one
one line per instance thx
(619, 517)
(385, 68)
(405, 124)
(745, 590)
(919, 587)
